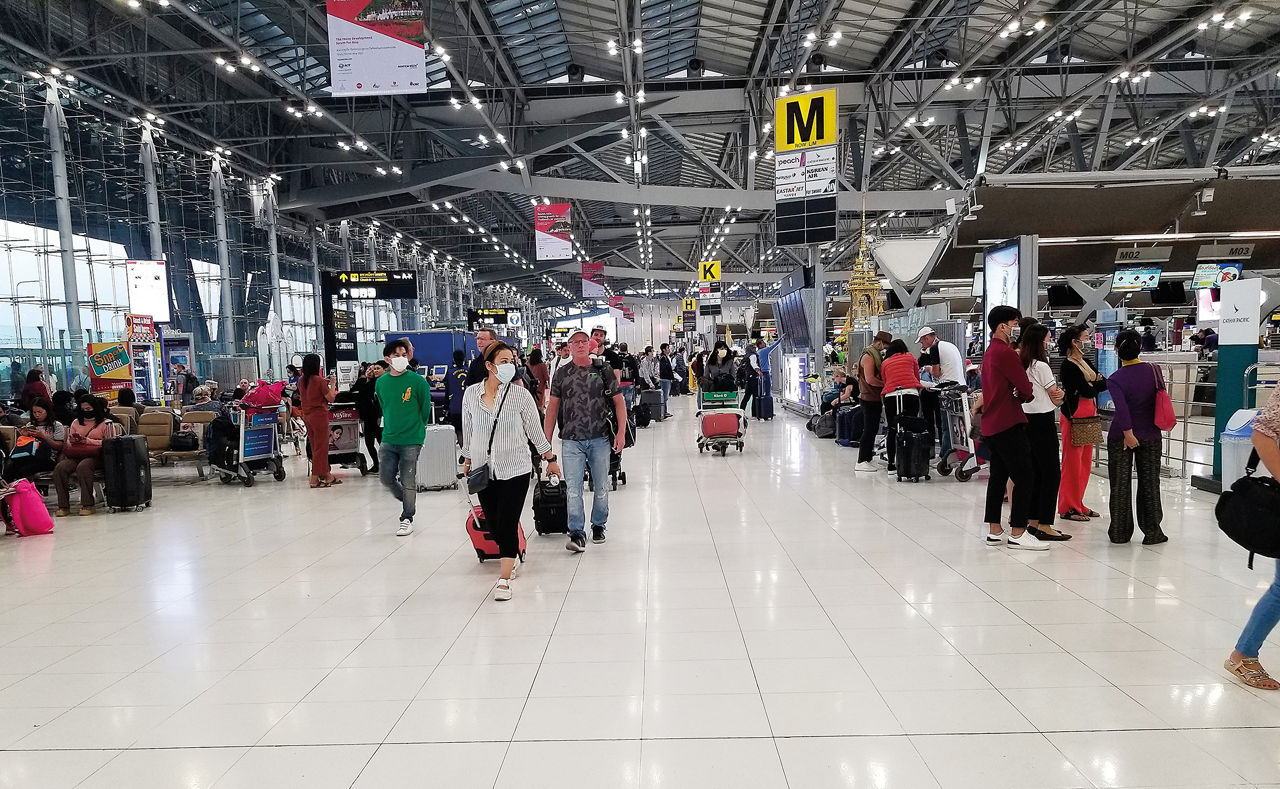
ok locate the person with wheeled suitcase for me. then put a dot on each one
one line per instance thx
(580, 394)
(405, 399)
(499, 421)
(901, 374)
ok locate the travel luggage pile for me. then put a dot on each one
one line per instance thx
(721, 423)
(438, 459)
(550, 506)
(126, 473)
(849, 420)
(653, 399)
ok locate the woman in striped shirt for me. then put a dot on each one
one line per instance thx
(499, 421)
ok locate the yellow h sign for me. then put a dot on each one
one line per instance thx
(805, 120)
(689, 305)
(709, 271)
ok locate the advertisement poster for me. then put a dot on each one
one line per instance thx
(593, 279)
(139, 328)
(109, 367)
(148, 288)
(376, 47)
(999, 279)
(1215, 275)
(551, 229)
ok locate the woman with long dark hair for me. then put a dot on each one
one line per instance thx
(1133, 440)
(35, 389)
(499, 422)
(317, 393)
(900, 373)
(1042, 431)
(80, 454)
(1081, 385)
(38, 444)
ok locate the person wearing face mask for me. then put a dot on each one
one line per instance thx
(1042, 429)
(719, 373)
(405, 400)
(499, 422)
(80, 454)
(1081, 384)
(1005, 387)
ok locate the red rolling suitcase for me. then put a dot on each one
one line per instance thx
(484, 543)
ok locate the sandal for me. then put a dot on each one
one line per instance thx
(323, 484)
(1251, 673)
(1092, 514)
(1077, 517)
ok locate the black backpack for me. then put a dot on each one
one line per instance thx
(1249, 513)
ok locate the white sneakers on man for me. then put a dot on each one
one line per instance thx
(1023, 542)
(867, 466)
(406, 528)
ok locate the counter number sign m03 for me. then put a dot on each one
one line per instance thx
(805, 120)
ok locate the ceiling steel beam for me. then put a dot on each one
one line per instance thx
(701, 158)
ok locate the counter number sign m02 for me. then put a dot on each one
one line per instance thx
(805, 120)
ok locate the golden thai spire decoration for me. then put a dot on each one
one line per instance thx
(865, 296)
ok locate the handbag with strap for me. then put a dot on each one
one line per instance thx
(1165, 418)
(479, 477)
(1086, 431)
(1249, 513)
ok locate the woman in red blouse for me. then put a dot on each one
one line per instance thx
(900, 373)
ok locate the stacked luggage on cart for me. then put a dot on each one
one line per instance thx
(721, 423)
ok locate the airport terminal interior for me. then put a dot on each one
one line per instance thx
(914, 365)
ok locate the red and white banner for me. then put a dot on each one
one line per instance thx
(551, 229)
(593, 279)
(376, 47)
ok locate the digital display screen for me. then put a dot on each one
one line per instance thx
(1208, 305)
(1212, 275)
(1130, 279)
(999, 279)
(791, 316)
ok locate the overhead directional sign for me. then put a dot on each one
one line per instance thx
(805, 120)
(371, 284)
(709, 271)
(689, 304)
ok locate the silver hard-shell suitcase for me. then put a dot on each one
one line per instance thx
(438, 459)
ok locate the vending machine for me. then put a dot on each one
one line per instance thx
(144, 356)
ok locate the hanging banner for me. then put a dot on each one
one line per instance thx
(139, 328)
(376, 47)
(148, 288)
(551, 230)
(109, 367)
(593, 279)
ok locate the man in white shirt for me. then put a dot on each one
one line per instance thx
(950, 367)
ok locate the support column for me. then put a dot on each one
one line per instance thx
(226, 331)
(315, 284)
(373, 266)
(273, 246)
(818, 321)
(448, 294)
(56, 125)
(147, 157)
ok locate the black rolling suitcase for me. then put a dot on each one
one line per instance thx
(653, 399)
(762, 403)
(550, 507)
(126, 472)
(914, 448)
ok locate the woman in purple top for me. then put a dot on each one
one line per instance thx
(1134, 439)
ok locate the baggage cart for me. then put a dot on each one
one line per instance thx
(256, 450)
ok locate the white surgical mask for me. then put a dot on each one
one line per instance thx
(506, 372)
(1015, 333)
(399, 364)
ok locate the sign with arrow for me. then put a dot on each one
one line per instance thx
(370, 284)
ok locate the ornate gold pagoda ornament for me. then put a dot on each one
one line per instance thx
(865, 295)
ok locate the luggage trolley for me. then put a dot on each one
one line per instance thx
(344, 438)
(257, 448)
(721, 423)
(963, 457)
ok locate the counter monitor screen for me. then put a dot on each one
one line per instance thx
(1212, 275)
(1128, 279)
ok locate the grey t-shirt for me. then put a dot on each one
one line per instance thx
(586, 396)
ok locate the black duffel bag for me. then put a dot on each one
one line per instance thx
(1249, 513)
(184, 441)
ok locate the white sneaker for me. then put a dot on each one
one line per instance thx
(868, 466)
(995, 540)
(1027, 542)
(502, 590)
(515, 570)
(406, 528)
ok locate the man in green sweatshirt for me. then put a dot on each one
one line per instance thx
(405, 398)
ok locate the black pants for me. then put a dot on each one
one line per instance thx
(932, 406)
(749, 391)
(1120, 463)
(26, 468)
(372, 437)
(870, 426)
(1010, 460)
(1042, 433)
(456, 421)
(502, 502)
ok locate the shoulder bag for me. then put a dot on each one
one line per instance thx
(1165, 418)
(1086, 431)
(1249, 513)
(478, 478)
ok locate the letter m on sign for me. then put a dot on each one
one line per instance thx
(804, 123)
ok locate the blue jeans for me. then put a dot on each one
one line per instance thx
(1263, 619)
(400, 460)
(666, 393)
(578, 455)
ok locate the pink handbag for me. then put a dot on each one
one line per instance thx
(1165, 418)
(26, 512)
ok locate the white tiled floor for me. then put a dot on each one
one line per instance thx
(762, 620)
